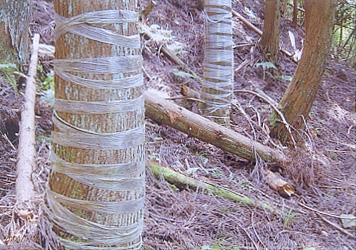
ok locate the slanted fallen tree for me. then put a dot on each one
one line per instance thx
(168, 113)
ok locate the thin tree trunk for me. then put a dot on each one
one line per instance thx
(298, 99)
(96, 188)
(270, 36)
(353, 33)
(295, 13)
(217, 86)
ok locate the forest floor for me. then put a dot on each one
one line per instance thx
(323, 172)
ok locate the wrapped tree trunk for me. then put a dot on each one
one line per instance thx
(95, 195)
(298, 99)
(270, 36)
(217, 86)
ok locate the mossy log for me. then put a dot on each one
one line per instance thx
(182, 181)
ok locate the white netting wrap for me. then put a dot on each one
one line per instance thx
(218, 60)
(118, 222)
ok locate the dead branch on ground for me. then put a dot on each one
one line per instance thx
(182, 181)
(26, 149)
(337, 227)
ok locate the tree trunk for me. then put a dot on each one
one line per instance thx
(15, 17)
(298, 99)
(270, 36)
(295, 13)
(217, 86)
(96, 189)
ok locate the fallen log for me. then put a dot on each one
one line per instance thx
(182, 181)
(168, 113)
(26, 150)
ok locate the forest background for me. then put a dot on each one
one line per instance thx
(180, 216)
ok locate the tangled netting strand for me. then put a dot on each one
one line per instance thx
(218, 59)
(128, 177)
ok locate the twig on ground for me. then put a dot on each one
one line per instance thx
(8, 141)
(337, 227)
(254, 230)
(268, 100)
(242, 65)
(249, 236)
(319, 212)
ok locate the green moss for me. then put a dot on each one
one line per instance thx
(6, 54)
(272, 119)
(6, 71)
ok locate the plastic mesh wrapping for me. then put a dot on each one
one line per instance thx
(120, 220)
(218, 60)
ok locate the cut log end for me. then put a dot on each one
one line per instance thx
(283, 188)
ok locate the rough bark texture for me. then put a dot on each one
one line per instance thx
(72, 46)
(270, 36)
(168, 113)
(15, 17)
(298, 99)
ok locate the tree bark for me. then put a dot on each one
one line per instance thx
(96, 188)
(218, 76)
(168, 113)
(15, 17)
(295, 13)
(298, 99)
(270, 36)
